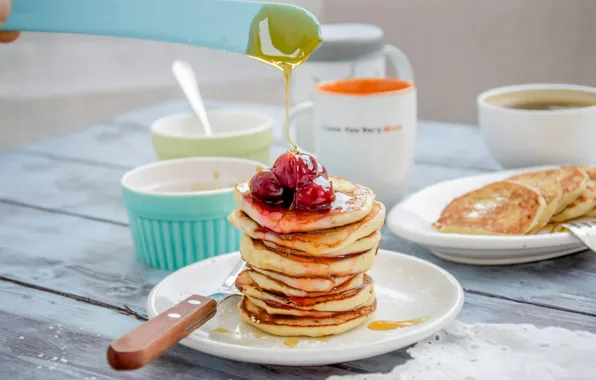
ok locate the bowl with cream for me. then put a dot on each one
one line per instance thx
(236, 133)
(178, 208)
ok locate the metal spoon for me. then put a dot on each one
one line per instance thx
(188, 82)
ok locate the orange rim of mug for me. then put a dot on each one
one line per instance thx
(366, 86)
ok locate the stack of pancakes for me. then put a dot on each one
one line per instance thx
(306, 269)
(527, 203)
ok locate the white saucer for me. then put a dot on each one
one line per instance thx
(412, 218)
(406, 287)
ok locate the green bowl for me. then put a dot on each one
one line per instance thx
(178, 209)
(240, 134)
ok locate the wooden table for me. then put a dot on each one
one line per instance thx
(70, 282)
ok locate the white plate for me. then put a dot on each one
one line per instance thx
(412, 218)
(406, 287)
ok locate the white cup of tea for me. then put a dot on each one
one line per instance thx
(539, 124)
(365, 129)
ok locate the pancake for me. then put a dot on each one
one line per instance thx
(333, 241)
(360, 245)
(352, 204)
(591, 172)
(273, 285)
(257, 254)
(559, 227)
(580, 207)
(500, 208)
(573, 182)
(307, 284)
(549, 187)
(303, 326)
(334, 302)
(548, 229)
(280, 310)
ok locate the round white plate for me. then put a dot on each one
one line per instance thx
(412, 220)
(406, 287)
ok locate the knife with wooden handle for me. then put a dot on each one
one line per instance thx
(150, 340)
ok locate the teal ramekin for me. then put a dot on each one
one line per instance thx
(174, 221)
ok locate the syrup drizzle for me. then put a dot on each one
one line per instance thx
(291, 342)
(283, 37)
(287, 70)
(220, 330)
(392, 325)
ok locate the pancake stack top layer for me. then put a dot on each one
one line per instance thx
(523, 204)
(306, 268)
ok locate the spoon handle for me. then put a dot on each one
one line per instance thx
(217, 24)
(188, 82)
(150, 340)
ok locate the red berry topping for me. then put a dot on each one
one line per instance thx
(307, 167)
(296, 180)
(322, 171)
(285, 170)
(265, 187)
(315, 195)
(294, 169)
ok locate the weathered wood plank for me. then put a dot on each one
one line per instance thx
(79, 187)
(453, 145)
(95, 259)
(120, 146)
(45, 336)
(94, 192)
(38, 327)
(70, 187)
(73, 255)
(127, 142)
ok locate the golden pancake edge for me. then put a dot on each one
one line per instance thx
(333, 241)
(500, 208)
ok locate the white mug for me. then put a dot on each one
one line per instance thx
(348, 51)
(365, 131)
(539, 124)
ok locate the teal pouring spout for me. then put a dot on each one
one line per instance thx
(215, 24)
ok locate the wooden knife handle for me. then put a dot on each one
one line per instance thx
(148, 341)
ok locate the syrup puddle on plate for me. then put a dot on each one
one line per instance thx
(220, 330)
(393, 325)
(291, 342)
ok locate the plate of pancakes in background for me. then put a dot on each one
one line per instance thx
(507, 217)
(316, 288)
